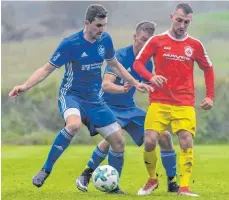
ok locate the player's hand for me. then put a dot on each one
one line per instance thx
(17, 90)
(127, 87)
(158, 80)
(206, 104)
(142, 87)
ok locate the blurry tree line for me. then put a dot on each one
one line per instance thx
(29, 20)
(34, 118)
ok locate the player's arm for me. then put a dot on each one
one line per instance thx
(109, 85)
(148, 50)
(60, 57)
(38, 76)
(118, 69)
(205, 64)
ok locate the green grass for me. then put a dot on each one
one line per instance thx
(20, 163)
(214, 16)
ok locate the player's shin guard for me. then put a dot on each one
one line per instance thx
(185, 165)
(116, 160)
(61, 142)
(169, 162)
(97, 157)
(150, 159)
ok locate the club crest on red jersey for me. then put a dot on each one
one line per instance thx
(188, 51)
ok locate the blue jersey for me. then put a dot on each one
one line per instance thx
(126, 57)
(83, 61)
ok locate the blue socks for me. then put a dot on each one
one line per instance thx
(116, 160)
(97, 157)
(169, 162)
(61, 142)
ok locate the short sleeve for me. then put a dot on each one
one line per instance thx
(62, 54)
(110, 51)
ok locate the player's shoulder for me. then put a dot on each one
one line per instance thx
(75, 39)
(194, 41)
(105, 36)
(159, 37)
(123, 52)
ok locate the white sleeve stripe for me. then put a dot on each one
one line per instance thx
(139, 54)
(111, 73)
(110, 58)
(205, 52)
(54, 64)
(206, 55)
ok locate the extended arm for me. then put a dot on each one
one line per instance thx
(37, 77)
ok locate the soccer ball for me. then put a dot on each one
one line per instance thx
(105, 178)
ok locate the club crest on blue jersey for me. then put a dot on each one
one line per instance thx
(101, 50)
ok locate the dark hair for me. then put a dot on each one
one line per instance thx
(146, 26)
(186, 7)
(95, 11)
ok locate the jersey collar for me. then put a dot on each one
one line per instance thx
(173, 38)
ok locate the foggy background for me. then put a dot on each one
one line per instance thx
(32, 30)
(29, 20)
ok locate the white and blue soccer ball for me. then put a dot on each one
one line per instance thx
(105, 178)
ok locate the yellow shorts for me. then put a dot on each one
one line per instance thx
(159, 116)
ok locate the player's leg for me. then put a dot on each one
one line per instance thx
(104, 121)
(150, 159)
(97, 157)
(113, 135)
(155, 124)
(184, 124)
(73, 122)
(168, 157)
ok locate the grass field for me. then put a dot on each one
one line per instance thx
(19, 163)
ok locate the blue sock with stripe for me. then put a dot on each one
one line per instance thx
(169, 162)
(97, 157)
(61, 142)
(116, 160)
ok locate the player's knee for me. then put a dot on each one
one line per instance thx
(166, 137)
(150, 140)
(165, 141)
(118, 145)
(104, 146)
(72, 128)
(150, 144)
(186, 140)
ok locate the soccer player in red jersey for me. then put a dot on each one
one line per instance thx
(172, 102)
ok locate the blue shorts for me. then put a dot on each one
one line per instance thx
(93, 115)
(132, 121)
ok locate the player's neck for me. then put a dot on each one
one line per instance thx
(88, 37)
(135, 50)
(171, 32)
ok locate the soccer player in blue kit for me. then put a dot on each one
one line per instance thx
(119, 96)
(79, 102)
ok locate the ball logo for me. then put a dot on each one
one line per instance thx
(101, 50)
(188, 51)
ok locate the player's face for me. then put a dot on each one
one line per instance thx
(96, 28)
(180, 22)
(140, 39)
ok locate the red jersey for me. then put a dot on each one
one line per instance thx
(174, 59)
